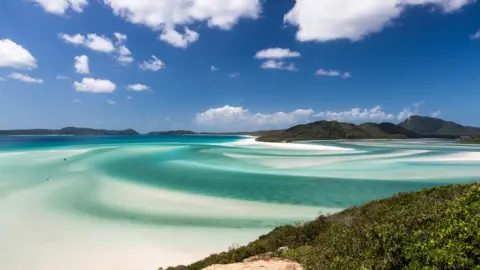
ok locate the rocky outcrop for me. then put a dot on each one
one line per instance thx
(263, 261)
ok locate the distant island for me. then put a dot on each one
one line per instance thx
(72, 131)
(412, 128)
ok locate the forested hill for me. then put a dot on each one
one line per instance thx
(73, 131)
(425, 125)
(324, 130)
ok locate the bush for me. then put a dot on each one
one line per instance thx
(435, 228)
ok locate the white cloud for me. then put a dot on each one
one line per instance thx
(2, 79)
(14, 55)
(436, 113)
(124, 54)
(476, 35)
(213, 68)
(332, 73)
(81, 64)
(177, 39)
(138, 87)
(61, 77)
(125, 59)
(410, 111)
(153, 64)
(60, 6)
(76, 39)
(121, 38)
(234, 75)
(111, 102)
(92, 41)
(276, 53)
(77, 101)
(318, 20)
(24, 78)
(228, 116)
(99, 43)
(165, 15)
(273, 64)
(95, 86)
(357, 114)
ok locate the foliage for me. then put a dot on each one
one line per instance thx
(436, 228)
(67, 131)
(425, 125)
(323, 130)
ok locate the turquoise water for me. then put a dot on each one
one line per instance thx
(157, 194)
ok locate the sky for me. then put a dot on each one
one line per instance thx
(236, 65)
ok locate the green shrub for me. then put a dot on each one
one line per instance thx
(436, 228)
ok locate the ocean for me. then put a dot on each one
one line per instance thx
(141, 202)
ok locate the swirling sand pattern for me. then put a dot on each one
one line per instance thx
(144, 202)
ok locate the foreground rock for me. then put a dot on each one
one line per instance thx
(263, 261)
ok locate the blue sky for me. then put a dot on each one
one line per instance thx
(349, 60)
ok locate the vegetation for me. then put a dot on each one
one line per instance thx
(74, 131)
(430, 126)
(323, 130)
(436, 228)
(470, 140)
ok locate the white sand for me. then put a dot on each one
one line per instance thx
(39, 230)
(455, 157)
(252, 143)
(280, 162)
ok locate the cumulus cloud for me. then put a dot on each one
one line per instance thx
(410, 111)
(240, 117)
(276, 53)
(14, 55)
(138, 87)
(81, 64)
(91, 41)
(166, 15)
(24, 78)
(231, 117)
(94, 86)
(59, 7)
(436, 113)
(315, 21)
(153, 64)
(121, 38)
(357, 114)
(273, 64)
(178, 39)
(61, 77)
(111, 102)
(234, 75)
(124, 54)
(213, 68)
(476, 35)
(332, 73)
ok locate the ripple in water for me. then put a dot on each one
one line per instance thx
(144, 202)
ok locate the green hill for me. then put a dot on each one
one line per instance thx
(324, 130)
(436, 228)
(425, 125)
(74, 131)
